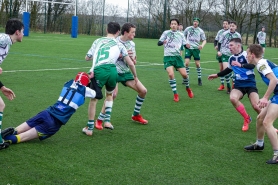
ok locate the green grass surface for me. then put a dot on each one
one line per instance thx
(194, 141)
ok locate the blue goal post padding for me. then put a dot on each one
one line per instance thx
(74, 26)
(26, 23)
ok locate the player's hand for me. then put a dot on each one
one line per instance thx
(262, 103)
(188, 46)
(219, 53)
(216, 47)
(8, 93)
(1, 70)
(236, 63)
(130, 53)
(212, 76)
(200, 47)
(91, 75)
(134, 60)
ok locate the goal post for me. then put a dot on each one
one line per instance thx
(74, 22)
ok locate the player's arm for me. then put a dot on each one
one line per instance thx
(271, 86)
(246, 66)
(162, 39)
(90, 93)
(224, 72)
(131, 65)
(215, 43)
(203, 44)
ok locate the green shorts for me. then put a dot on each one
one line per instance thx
(225, 58)
(263, 45)
(124, 77)
(106, 75)
(194, 52)
(218, 58)
(175, 61)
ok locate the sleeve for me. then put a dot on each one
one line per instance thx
(183, 40)
(133, 49)
(217, 36)
(163, 37)
(91, 51)
(90, 93)
(229, 62)
(123, 50)
(203, 35)
(263, 67)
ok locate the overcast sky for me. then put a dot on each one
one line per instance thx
(121, 3)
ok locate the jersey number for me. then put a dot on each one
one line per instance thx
(103, 54)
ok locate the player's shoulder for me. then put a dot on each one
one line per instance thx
(5, 39)
(189, 27)
(238, 34)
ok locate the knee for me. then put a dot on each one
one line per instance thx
(260, 119)
(114, 95)
(256, 108)
(171, 75)
(233, 100)
(143, 92)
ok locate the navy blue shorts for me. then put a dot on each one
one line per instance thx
(45, 124)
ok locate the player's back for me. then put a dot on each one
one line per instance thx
(106, 51)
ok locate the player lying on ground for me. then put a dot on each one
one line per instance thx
(46, 123)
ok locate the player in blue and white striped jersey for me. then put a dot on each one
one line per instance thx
(49, 121)
(245, 82)
(268, 106)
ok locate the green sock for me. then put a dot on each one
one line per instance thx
(91, 124)
(138, 105)
(108, 110)
(173, 85)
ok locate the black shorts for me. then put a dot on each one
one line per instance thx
(247, 90)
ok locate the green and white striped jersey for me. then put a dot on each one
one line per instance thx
(194, 36)
(5, 44)
(261, 37)
(175, 40)
(105, 51)
(225, 40)
(219, 34)
(121, 65)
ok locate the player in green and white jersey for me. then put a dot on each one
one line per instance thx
(194, 34)
(13, 33)
(125, 77)
(261, 38)
(224, 50)
(172, 41)
(104, 53)
(226, 26)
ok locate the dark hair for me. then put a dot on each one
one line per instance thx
(226, 20)
(13, 25)
(126, 27)
(113, 27)
(174, 19)
(236, 40)
(256, 49)
(233, 22)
